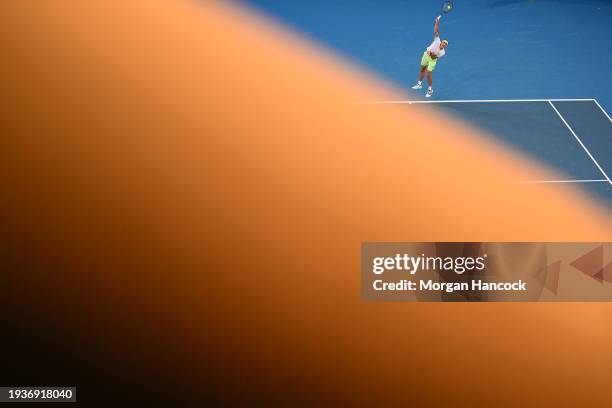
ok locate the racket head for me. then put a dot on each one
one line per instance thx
(447, 7)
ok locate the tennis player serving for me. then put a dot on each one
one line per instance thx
(430, 58)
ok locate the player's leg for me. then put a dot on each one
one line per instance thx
(430, 68)
(422, 73)
(425, 60)
(419, 83)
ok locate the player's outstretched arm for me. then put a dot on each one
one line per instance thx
(436, 32)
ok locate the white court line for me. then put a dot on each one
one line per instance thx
(482, 101)
(581, 144)
(561, 181)
(549, 101)
(602, 109)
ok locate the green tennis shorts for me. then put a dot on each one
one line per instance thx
(428, 61)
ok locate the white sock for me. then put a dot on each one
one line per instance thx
(419, 82)
(429, 88)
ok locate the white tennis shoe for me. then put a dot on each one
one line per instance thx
(429, 92)
(418, 85)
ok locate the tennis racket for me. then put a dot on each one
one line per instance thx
(447, 7)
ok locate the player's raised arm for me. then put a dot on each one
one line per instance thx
(436, 32)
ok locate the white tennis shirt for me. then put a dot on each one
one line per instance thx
(435, 48)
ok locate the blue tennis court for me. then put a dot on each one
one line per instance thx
(542, 66)
(573, 136)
